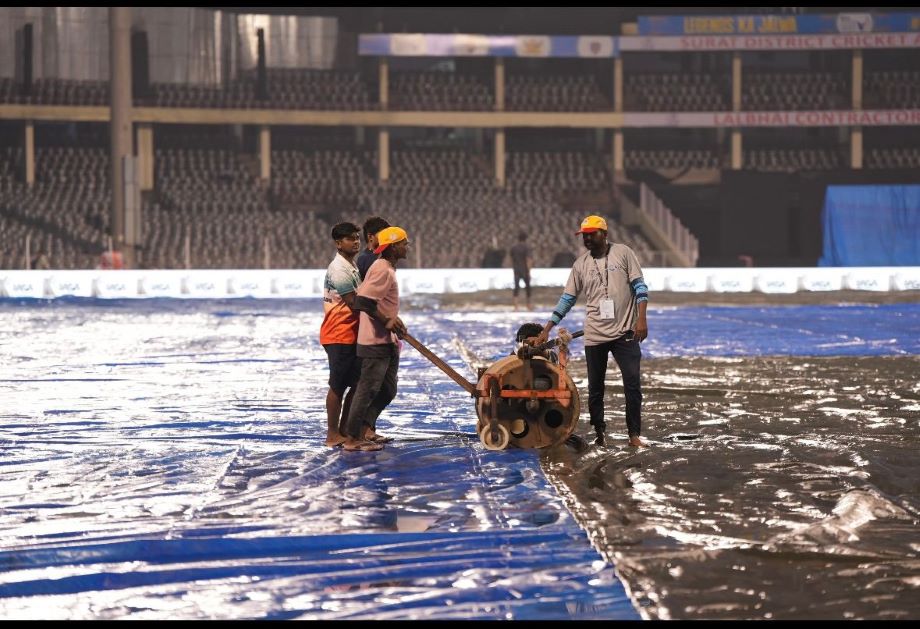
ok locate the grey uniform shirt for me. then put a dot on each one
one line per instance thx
(600, 278)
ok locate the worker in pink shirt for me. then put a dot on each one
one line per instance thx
(379, 329)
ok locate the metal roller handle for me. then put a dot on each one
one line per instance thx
(440, 364)
(555, 341)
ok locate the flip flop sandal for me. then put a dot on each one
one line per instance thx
(363, 446)
(380, 439)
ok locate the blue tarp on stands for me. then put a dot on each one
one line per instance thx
(871, 226)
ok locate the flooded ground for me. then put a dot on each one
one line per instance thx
(774, 487)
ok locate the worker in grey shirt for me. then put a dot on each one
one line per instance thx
(610, 278)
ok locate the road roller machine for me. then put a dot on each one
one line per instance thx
(526, 399)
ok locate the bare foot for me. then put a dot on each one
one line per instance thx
(334, 440)
(636, 442)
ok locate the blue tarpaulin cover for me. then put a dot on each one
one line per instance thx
(871, 226)
(165, 459)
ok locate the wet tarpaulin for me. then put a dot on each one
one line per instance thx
(165, 459)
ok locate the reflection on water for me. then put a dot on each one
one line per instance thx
(166, 460)
(791, 492)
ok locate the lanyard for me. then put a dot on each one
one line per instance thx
(605, 276)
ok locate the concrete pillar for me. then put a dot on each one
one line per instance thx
(500, 157)
(856, 148)
(265, 153)
(121, 125)
(857, 79)
(384, 71)
(736, 106)
(619, 159)
(145, 155)
(30, 153)
(383, 155)
(856, 134)
(499, 84)
(736, 81)
(736, 149)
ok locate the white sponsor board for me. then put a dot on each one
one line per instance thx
(162, 283)
(308, 283)
(776, 280)
(502, 279)
(459, 281)
(822, 279)
(731, 280)
(118, 284)
(548, 277)
(687, 280)
(868, 278)
(70, 283)
(28, 284)
(423, 281)
(248, 284)
(207, 284)
(908, 279)
(298, 284)
(655, 278)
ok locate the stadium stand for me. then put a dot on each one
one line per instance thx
(439, 91)
(208, 194)
(791, 91)
(673, 91)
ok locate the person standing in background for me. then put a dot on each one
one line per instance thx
(521, 264)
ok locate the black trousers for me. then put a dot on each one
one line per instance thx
(628, 355)
(376, 387)
(521, 276)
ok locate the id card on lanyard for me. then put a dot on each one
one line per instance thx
(607, 310)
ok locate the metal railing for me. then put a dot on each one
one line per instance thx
(675, 231)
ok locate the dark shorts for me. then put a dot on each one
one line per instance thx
(344, 366)
(521, 275)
